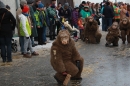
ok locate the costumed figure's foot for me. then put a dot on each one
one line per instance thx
(80, 78)
(115, 45)
(107, 45)
(123, 42)
(59, 82)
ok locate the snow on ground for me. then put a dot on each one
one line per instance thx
(38, 47)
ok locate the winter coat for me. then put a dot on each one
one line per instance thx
(123, 13)
(34, 29)
(8, 23)
(51, 13)
(61, 12)
(18, 12)
(25, 29)
(75, 16)
(80, 24)
(108, 12)
(117, 13)
(85, 14)
(40, 19)
(80, 7)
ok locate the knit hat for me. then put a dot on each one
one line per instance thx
(19, 11)
(107, 3)
(86, 7)
(30, 1)
(22, 2)
(83, 2)
(8, 7)
(76, 7)
(53, 6)
(40, 5)
(25, 9)
(2, 5)
(66, 4)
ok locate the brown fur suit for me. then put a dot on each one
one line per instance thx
(64, 57)
(113, 36)
(125, 30)
(91, 32)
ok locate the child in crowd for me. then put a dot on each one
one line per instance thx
(41, 24)
(81, 25)
(25, 31)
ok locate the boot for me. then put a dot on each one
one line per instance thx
(27, 56)
(107, 45)
(51, 37)
(59, 82)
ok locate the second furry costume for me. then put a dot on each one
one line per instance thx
(125, 30)
(91, 33)
(113, 35)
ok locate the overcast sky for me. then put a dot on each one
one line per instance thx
(98, 1)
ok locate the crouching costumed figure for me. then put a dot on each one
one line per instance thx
(91, 33)
(113, 35)
(65, 59)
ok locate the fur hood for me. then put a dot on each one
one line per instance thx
(124, 27)
(59, 44)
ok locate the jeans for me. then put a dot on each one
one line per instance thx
(103, 24)
(5, 45)
(40, 32)
(108, 23)
(44, 34)
(75, 33)
(27, 44)
(32, 39)
(52, 30)
(21, 41)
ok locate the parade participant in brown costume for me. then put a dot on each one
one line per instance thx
(113, 35)
(92, 34)
(65, 59)
(125, 27)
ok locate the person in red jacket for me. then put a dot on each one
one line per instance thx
(80, 24)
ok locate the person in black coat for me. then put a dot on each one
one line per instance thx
(108, 15)
(8, 23)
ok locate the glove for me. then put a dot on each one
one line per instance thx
(64, 73)
(78, 64)
(27, 37)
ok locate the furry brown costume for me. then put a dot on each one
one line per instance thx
(64, 57)
(125, 30)
(92, 34)
(113, 35)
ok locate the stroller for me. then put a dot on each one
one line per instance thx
(14, 45)
(71, 29)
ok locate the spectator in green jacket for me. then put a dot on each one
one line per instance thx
(40, 23)
(85, 13)
(52, 14)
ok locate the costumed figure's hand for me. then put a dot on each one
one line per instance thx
(119, 36)
(64, 73)
(78, 64)
(27, 37)
(38, 26)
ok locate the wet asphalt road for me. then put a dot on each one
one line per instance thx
(102, 67)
